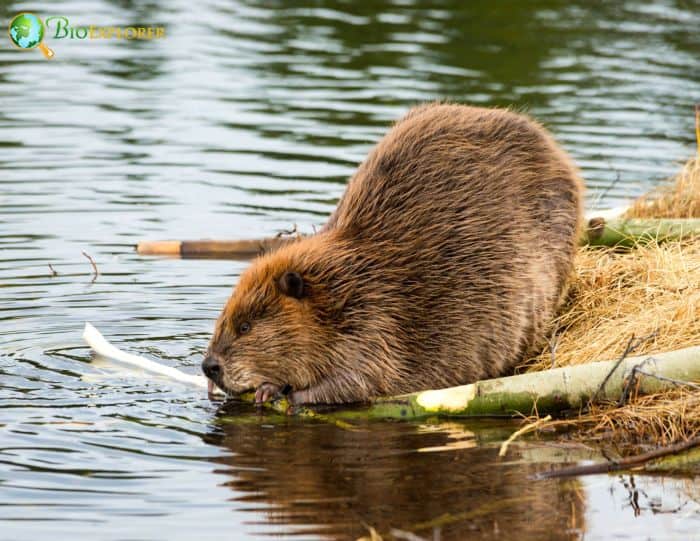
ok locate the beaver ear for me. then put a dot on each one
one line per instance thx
(291, 284)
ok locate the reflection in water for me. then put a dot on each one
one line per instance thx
(418, 478)
(247, 118)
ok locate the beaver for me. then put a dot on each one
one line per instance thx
(443, 263)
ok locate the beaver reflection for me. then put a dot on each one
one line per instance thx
(331, 481)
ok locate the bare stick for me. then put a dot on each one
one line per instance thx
(631, 381)
(610, 186)
(631, 346)
(623, 464)
(53, 271)
(287, 232)
(406, 536)
(678, 382)
(628, 348)
(553, 343)
(95, 270)
(697, 126)
(523, 430)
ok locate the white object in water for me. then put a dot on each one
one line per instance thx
(101, 346)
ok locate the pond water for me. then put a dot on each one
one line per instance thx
(249, 117)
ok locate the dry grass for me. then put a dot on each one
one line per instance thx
(678, 200)
(655, 420)
(651, 289)
(617, 295)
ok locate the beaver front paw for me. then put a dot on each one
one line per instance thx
(266, 392)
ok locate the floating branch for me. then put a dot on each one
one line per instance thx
(95, 270)
(225, 249)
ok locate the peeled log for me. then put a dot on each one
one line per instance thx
(224, 249)
(550, 391)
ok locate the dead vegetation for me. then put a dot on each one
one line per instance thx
(650, 291)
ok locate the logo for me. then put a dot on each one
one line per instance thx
(27, 32)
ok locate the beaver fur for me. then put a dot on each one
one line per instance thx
(444, 263)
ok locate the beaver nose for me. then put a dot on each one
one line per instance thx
(211, 368)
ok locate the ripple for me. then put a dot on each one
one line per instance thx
(243, 122)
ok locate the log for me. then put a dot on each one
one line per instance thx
(664, 455)
(215, 249)
(628, 232)
(550, 391)
(600, 231)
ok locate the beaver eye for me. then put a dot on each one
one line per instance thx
(244, 327)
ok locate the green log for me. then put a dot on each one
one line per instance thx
(629, 232)
(550, 391)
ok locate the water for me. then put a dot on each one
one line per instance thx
(247, 118)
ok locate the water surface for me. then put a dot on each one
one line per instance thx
(247, 118)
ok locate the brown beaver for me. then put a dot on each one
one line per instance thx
(443, 263)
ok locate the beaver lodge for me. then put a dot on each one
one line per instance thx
(644, 299)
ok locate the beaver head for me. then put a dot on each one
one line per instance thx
(286, 327)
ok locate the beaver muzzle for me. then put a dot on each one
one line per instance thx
(212, 369)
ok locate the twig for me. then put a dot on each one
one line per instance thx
(628, 348)
(678, 382)
(53, 271)
(632, 495)
(373, 534)
(407, 536)
(287, 232)
(611, 185)
(622, 464)
(630, 382)
(525, 429)
(553, 343)
(631, 346)
(95, 270)
(697, 126)
(638, 370)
